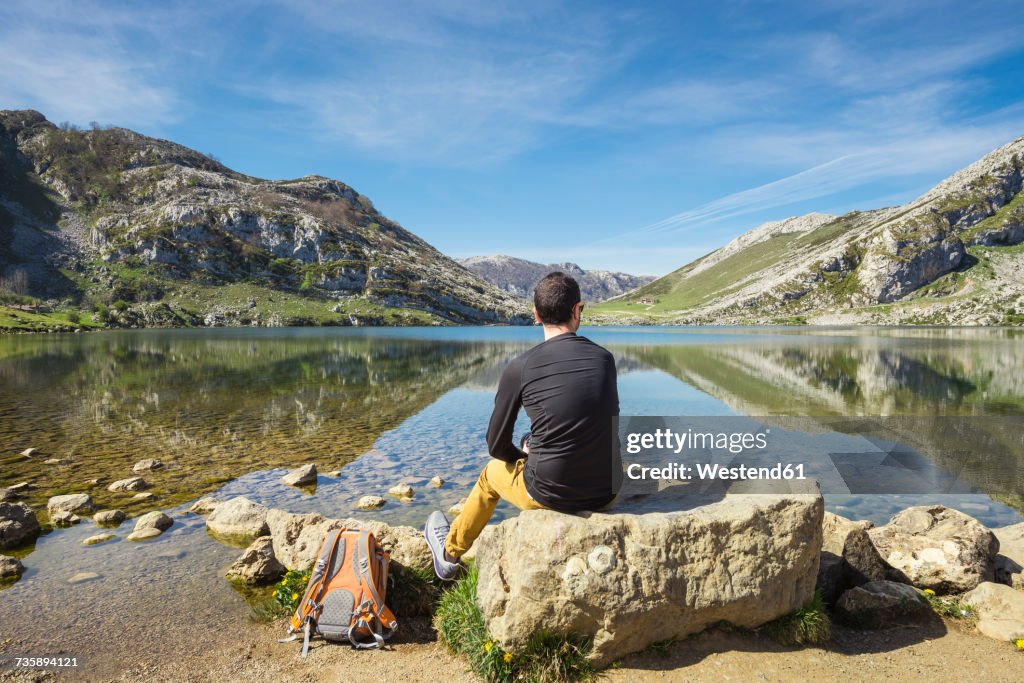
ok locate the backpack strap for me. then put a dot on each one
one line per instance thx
(386, 623)
(309, 607)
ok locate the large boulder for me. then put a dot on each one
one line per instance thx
(632, 580)
(72, 502)
(1009, 566)
(238, 517)
(18, 525)
(878, 604)
(257, 565)
(937, 547)
(1000, 610)
(848, 558)
(297, 539)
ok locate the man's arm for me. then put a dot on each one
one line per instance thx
(507, 403)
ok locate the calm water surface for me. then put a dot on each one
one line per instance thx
(230, 410)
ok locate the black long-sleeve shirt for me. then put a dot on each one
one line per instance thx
(568, 387)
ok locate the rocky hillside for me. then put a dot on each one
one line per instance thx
(952, 256)
(518, 277)
(143, 231)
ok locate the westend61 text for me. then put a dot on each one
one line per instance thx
(705, 471)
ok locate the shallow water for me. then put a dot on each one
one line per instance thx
(230, 410)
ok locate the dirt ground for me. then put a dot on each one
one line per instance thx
(925, 653)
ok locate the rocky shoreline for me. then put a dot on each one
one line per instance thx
(744, 560)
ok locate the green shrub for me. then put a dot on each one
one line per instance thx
(74, 318)
(102, 314)
(120, 305)
(809, 625)
(547, 658)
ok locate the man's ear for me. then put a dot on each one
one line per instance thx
(536, 316)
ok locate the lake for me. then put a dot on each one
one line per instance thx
(230, 410)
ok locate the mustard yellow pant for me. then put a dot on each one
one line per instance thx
(499, 479)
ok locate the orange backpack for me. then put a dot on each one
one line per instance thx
(344, 599)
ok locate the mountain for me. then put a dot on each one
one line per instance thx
(518, 277)
(148, 232)
(952, 256)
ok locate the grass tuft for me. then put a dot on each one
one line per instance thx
(808, 625)
(547, 658)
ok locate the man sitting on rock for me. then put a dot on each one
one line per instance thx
(567, 384)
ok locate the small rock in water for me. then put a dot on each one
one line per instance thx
(65, 518)
(456, 510)
(72, 502)
(437, 482)
(301, 476)
(406, 499)
(204, 506)
(29, 452)
(154, 520)
(129, 484)
(143, 534)
(370, 503)
(147, 465)
(55, 461)
(93, 482)
(10, 567)
(401, 490)
(145, 495)
(82, 577)
(97, 539)
(21, 487)
(109, 518)
(334, 473)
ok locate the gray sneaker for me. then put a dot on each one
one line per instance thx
(436, 531)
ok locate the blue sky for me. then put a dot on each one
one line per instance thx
(623, 136)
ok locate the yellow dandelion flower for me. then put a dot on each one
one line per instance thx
(1020, 643)
(929, 591)
(295, 596)
(508, 657)
(284, 582)
(488, 645)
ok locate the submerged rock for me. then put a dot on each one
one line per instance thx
(456, 510)
(239, 517)
(29, 452)
(10, 567)
(1000, 610)
(55, 461)
(301, 476)
(937, 547)
(73, 502)
(20, 487)
(631, 580)
(370, 503)
(147, 465)
(143, 534)
(882, 603)
(204, 506)
(257, 564)
(848, 558)
(18, 525)
(111, 518)
(97, 539)
(145, 495)
(82, 577)
(437, 482)
(129, 484)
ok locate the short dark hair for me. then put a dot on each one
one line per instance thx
(554, 298)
